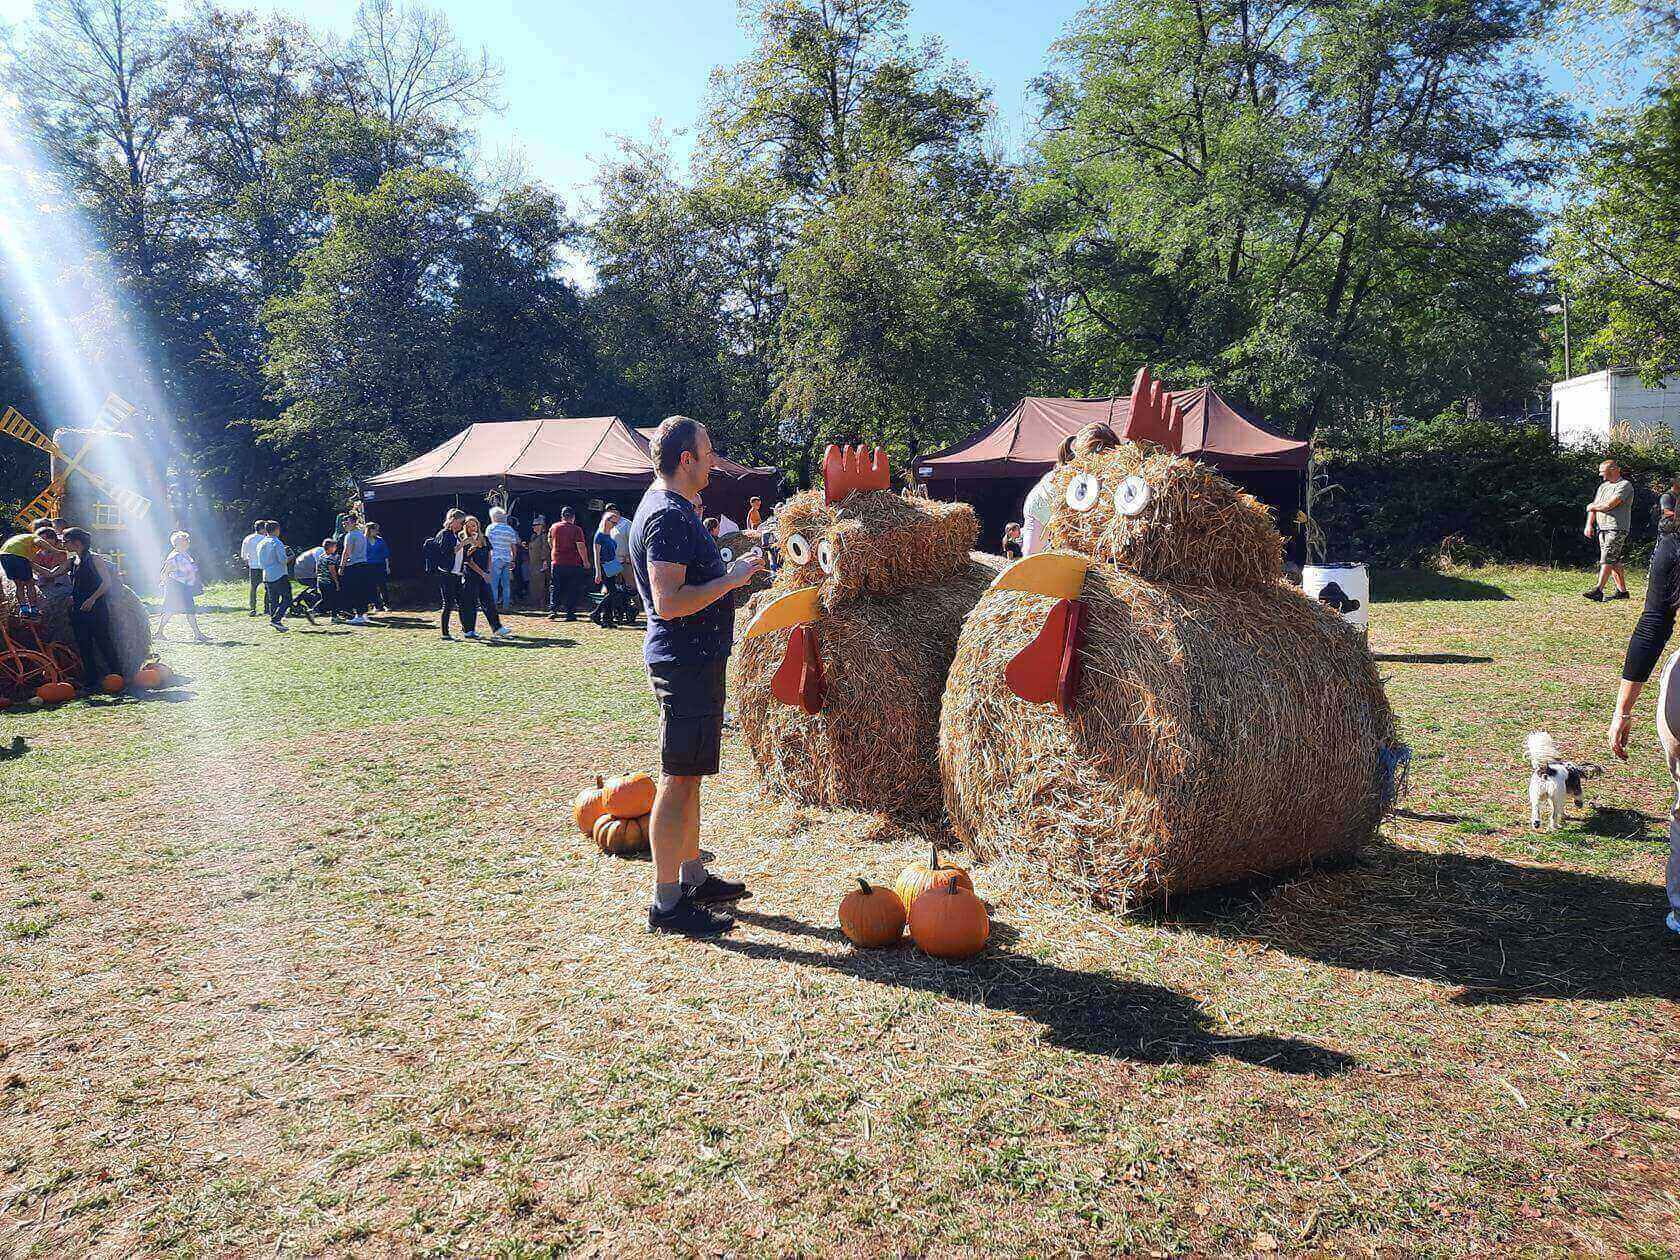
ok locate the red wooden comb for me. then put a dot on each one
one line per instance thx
(849, 468)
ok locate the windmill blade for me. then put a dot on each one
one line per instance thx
(134, 506)
(114, 411)
(44, 504)
(13, 424)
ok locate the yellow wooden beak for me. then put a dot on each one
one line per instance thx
(796, 608)
(1055, 574)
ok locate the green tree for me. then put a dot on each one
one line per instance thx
(358, 351)
(1251, 192)
(1618, 245)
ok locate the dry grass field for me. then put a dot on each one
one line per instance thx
(304, 956)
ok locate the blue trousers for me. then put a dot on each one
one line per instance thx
(501, 581)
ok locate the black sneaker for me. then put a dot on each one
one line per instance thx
(1619, 595)
(687, 919)
(277, 625)
(1597, 597)
(714, 891)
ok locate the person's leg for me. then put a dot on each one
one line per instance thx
(573, 575)
(490, 613)
(502, 596)
(81, 629)
(256, 581)
(674, 829)
(444, 604)
(1617, 572)
(470, 587)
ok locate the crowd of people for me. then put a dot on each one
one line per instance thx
(51, 549)
(343, 578)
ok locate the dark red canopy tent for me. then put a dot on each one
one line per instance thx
(994, 468)
(543, 465)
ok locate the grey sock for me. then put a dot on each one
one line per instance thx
(692, 873)
(666, 896)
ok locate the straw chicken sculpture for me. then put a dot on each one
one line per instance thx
(840, 671)
(1146, 708)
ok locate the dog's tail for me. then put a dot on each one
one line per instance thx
(1541, 750)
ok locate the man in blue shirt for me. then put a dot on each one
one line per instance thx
(504, 540)
(271, 559)
(690, 630)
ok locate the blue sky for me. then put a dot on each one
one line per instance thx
(577, 73)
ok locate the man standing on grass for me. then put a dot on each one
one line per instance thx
(504, 541)
(690, 630)
(569, 554)
(271, 556)
(248, 553)
(1611, 515)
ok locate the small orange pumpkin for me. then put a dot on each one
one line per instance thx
(630, 796)
(587, 807)
(148, 676)
(164, 673)
(620, 836)
(55, 692)
(918, 877)
(950, 922)
(871, 917)
(113, 683)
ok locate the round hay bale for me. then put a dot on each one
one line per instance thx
(131, 627)
(1217, 734)
(881, 543)
(1196, 527)
(873, 744)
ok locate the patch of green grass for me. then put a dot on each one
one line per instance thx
(346, 978)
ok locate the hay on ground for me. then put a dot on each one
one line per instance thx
(873, 745)
(1217, 734)
(882, 544)
(1197, 526)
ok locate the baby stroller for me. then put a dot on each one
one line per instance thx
(306, 602)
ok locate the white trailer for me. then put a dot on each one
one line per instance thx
(1585, 407)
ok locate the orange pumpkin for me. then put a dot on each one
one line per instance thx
(950, 922)
(164, 673)
(55, 692)
(148, 677)
(113, 683)
(587, 807)
(620, 836)
(918, 877)
(628, 797)
(871, 917)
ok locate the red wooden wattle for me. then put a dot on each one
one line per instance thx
(799, 678)
(1035, 673)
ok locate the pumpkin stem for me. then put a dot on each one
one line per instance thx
(600, 784)
(863, 883)
(933, 863)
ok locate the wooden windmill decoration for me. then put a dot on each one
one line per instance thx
(14, 424)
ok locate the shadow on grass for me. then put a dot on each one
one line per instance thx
(1503, 932)
(125, 698)
(1431, 658)
(1088, 1011)
(1405, 586)
(1615, 822)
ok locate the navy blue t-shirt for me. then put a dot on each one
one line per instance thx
(667, 529)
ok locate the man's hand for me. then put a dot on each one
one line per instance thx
(89, 602)
(1621, 724)
(743, 571)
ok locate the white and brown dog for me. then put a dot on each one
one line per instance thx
(1553, 779)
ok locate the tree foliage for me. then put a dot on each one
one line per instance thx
(1259, 191)
(1618, 246)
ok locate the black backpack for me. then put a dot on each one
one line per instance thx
(432, 555)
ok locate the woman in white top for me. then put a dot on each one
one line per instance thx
(1036, 512)
(179, 579)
